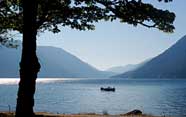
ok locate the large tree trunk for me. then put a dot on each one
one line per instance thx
(29, 65)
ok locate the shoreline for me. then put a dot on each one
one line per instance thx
(47, 114)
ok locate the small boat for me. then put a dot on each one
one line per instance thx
(107, 89)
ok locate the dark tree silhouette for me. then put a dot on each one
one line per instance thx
(32, 16)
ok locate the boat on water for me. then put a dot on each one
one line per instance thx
(108, 89)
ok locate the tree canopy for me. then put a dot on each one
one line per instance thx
(82, 14)
(31, 16)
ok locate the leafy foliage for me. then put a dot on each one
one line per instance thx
(81, 14)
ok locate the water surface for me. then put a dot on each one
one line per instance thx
(157, 97)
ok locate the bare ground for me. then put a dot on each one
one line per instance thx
(45, 114)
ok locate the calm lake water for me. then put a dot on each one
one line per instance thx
(157, 97)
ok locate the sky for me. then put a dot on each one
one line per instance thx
(115, 44)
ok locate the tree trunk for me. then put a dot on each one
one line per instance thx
(29, 65)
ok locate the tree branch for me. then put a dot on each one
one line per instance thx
(146, 25)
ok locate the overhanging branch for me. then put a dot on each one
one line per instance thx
(146, 25)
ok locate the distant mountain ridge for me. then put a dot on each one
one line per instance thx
(55, 62)
(126, 68)
(170, 64)
(121, 69)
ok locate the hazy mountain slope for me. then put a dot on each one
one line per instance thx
(122, 69)
(169, 64)
(9, 62)
(126, 68)
(55, 62)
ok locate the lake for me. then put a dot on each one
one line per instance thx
(157, 97)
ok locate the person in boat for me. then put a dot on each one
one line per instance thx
(107, 89)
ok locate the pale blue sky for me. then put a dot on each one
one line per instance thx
(116, 44)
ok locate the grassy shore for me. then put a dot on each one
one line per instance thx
(44, 114)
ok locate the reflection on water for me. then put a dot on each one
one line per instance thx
(158, 97)
(9, 81)
(13, 81)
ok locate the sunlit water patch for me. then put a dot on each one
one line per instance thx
(9, 81)
(14, 81)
